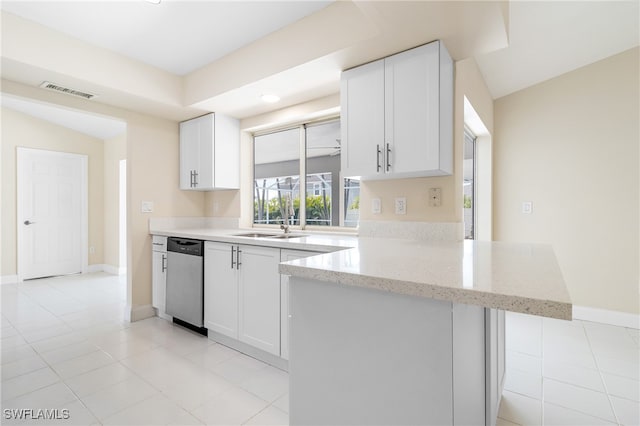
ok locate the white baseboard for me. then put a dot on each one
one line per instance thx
(97, 267)
(8, 279)
(137, 313)
(604, 316)
(109, 269)
(114, 270)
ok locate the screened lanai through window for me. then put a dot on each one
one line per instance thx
(278, 186)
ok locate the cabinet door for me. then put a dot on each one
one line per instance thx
(362, 120)
(412, 100)
(227, 153)
(220, 289)
(259, 297)
(286, 256)
(189, 152)
(158, 280)
(204, 177)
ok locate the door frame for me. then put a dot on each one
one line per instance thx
(21, 153)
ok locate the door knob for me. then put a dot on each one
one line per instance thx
(28, 222)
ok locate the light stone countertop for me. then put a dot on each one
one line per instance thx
(322, 243)
(515, 277)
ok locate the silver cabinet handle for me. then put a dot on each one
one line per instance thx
(195, 178)
(164, 263)
(233, 260)
(28, 222)
(388, 157)
(238, 263)
(378, 152)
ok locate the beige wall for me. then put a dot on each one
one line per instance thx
(20, 130)
(114, 150)
(469, 83)
(152, 175)
(153, 162)
(570, 146)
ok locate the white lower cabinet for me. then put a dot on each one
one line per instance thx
(242, 293)
(286, 256)
(220, 289)
(159, 274)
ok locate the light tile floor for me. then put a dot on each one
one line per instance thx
(570, 373)
(65, 346)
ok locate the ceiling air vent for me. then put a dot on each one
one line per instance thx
(51, 86)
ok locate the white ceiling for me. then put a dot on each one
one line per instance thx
(219, 39)
(550, 38)
(176, 36)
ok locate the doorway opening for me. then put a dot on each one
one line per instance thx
(468, 184)
(122, 222)
(477, 176)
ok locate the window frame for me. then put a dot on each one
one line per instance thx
(302, 127)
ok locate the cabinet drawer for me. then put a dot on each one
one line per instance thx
(158, 243)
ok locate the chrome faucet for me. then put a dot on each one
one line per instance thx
(289, 213)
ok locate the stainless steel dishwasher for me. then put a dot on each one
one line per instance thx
(185, 285)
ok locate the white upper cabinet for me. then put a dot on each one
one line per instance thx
(397, 115)
(362, 119)
(210, 153)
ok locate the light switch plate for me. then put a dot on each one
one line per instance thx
(401, 205)
(376, 206)
(527, 207)
(147, 207)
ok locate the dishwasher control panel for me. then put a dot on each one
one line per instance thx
(185, 246)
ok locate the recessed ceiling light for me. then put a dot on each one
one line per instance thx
(153, 1)
(270, 98)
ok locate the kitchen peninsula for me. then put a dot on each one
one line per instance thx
(411, 332)
(391, 331)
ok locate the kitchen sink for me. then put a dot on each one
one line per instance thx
(256, 235)
(287, 236)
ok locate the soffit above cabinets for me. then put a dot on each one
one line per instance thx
(302, 59)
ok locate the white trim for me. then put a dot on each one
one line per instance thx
(96, 267)
(114, 270)
(109, 269)
(604, 316)
(84, 202)
(137, 313)
(9, 279)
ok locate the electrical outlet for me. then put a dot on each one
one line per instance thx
(376, 206)
(527, 207)
(147, 207)
(401, 205)
(435, 197)
(92, 250)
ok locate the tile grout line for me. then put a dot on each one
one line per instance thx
(604, 384)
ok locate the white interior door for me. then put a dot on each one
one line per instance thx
(52, 213)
